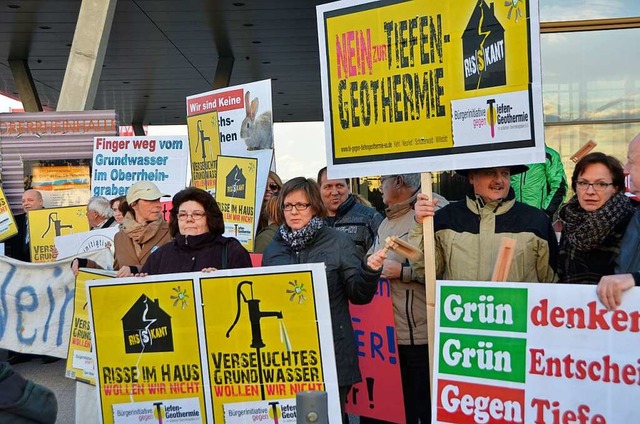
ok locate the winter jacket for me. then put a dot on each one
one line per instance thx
(23, 401)
(348, 280)
(125, 253)
(468, 236)
(544, 185)
(629, 257)
(358, 221)
(264, 237)
(408, 292)
(194, 253)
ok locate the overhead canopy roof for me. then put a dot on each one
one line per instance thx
(161, 51)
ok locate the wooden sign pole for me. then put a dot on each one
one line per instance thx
(503, 262)
(429, 273)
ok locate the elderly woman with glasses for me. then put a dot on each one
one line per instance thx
(594, 220)
(196, 225)
(303, 238)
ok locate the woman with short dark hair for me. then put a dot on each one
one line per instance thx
(594, 220)
(303, 238)
(196, 225)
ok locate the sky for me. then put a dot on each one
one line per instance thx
(299, 147)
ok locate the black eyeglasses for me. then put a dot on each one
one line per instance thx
(274, 187)
(599, 186)
(299, 206)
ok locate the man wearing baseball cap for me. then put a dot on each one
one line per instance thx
(143, 230)
(468, 233)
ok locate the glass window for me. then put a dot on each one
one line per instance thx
(587, 75)
(612, 139)
(575, 10)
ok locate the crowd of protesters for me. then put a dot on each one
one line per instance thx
(305, 221)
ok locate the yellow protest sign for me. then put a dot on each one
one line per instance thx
(8, 227)
(147, 350)
(80, 359)
(204, 147)
(236, 197)
(47, 224)
(263, 341)
(417, 82)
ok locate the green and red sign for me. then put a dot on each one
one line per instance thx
(534, 353)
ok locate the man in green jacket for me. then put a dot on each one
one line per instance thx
(544, 185)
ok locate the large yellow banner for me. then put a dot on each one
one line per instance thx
(236, 197)
(204, 147)
(147, 351)
(8, 226)
(80, 359)
(47, 224)
(263, 341)
(410, 79)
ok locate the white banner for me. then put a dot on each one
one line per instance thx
(74, 244)
(36, 303)
(120, 162)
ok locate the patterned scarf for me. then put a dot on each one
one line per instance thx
(140, 233)
(299, 239)
(586, 230)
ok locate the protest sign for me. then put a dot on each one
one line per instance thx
(274, 341)
(204, 149)
(236, 197)
(76, 243)
(8, 227)
(430, 86)
(379, 394)
(36, 302)
(60, 182)
(145, 339)
(47, 224)
(80, 357)
(170, 347)
(542, 353)
(120, 162)
(245, 127)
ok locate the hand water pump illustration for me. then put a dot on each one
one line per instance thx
(202, 140)
(57, 224)
(255, 315)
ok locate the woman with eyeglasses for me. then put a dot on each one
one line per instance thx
(593, 221)
(274, 183)
(196, 225)
(303, 238)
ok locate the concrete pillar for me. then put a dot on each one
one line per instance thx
(25, 85)
(87, 55)
(138, 128)
(223, 72)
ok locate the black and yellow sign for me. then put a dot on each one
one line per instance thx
(423, 79)
(236, 197)
(8, 226)
(47, 224)
(80, 359)
(204, 148)
(147, 349)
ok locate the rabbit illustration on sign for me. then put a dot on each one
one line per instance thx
(256, 131)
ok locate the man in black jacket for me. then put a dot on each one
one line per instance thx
(17, 247)
(346, 214)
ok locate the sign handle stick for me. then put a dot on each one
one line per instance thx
(503, 263)
(429, 273)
